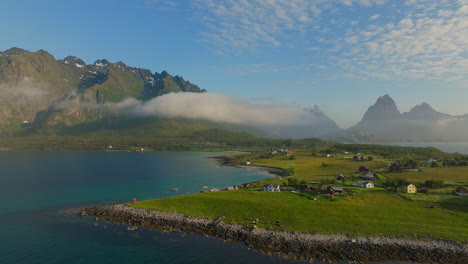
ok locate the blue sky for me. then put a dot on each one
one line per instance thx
(340, 54)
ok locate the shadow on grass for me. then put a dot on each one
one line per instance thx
(459, 204)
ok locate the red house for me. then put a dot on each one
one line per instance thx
(364, 169)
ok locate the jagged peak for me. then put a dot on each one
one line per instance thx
(165, 74)
(385, 98)
(422, 106)
(383, 109)
(101, 63)
(74, 61)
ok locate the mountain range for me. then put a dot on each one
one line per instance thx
(384, 122)
(40, 95)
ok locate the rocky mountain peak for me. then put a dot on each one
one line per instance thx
(424, 111)
(383, 109)
(101, 63)
(74, 61)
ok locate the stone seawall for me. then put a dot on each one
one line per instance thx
(327, 248)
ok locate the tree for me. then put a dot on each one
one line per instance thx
(370, 158)
(292, 181)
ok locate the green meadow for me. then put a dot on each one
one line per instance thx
(363, 214)
(359, 211)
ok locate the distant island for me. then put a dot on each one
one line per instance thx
(335, 203)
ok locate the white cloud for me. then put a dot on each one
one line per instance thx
(246, 24)
(429, 40)
(374, 17)
(216, 108)
(26, 87)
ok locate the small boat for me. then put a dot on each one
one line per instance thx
(174, 190)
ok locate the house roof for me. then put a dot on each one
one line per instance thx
(273, 185)
(363, 168)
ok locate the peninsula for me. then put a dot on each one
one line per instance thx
(369, 216)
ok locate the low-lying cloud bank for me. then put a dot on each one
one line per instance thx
(216, 108)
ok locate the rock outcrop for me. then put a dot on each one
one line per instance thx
(302, 246)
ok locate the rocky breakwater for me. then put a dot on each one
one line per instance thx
(328, 248)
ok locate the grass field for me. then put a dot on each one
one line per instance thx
(447, 174)
(365, 214)
(310, 168)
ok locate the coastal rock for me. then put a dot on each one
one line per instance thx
(301, 246)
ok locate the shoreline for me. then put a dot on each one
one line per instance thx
(223, 160)
(300, 246)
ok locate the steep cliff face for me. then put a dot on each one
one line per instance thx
(38, 90)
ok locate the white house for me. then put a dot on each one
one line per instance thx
(272, 187)
(248, 162)
(367, 184)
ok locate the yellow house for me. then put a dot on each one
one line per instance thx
(409, 188)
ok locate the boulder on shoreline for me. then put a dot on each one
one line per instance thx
(329, 248)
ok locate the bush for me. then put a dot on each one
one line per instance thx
(292, 181)
(434, 184)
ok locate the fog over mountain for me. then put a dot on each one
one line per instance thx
(44, 92)
(38, 92)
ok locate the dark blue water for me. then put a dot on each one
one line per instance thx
(37, 186)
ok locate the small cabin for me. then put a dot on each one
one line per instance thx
(340, 177)
(364, 169)
(462, 191)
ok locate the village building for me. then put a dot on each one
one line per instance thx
(338, 190)
(409, 188)
(366, 184)
(359, 158)
(248, 162)
(364, 169)
(272, 187)
(340, 177)
(462, 191)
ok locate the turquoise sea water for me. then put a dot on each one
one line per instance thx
(37, 186)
